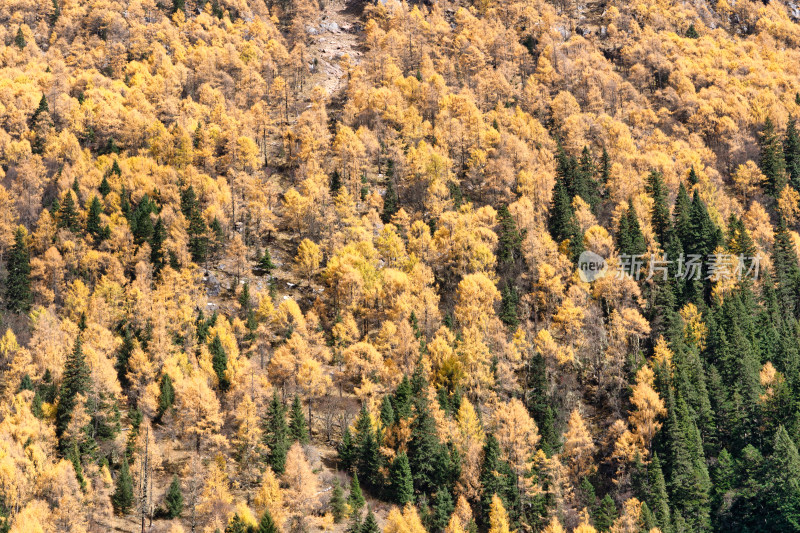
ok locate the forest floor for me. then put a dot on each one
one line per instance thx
(336, 34)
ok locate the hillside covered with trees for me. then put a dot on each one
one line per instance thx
(304, 265)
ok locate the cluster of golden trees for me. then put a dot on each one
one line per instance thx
(145, 148)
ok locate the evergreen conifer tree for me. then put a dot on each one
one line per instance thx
(401, 482)
(298, 429)
(219, 360)
(265, 262)
(355, 499)
(370, 524)
(338, 504)
(784, 483)
(105, 187)
(18, 281)
(67, 213)
(75, 380)
(630, 239)
(122, 499)
(267, 524)
(390, 201)
(173, 500)
(660, 212)
(166, 396)
(791, 152)
(158, 256)
(606, 514)
(276, 434)
(367, 451)
(19, 40)
(771, 159)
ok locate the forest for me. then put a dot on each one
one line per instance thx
(321, 265)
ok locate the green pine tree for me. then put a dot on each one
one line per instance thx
(442, 509)
(606, 514)
(75, 380)
(265, 262)
(691, 33)
(630, 239)
(660, 212)
(370, 524)
(18, 281)
(585, 185)
(158, 256)
(508, 306)
(771, 160)
(402, 399)
(496, 477)
(367, 451)
(401, 482)
(267, 524)
(387, 412)
(124, 353)
(298, 429)
(166, 396)
(537, 401)
(67, 213)
(105, 187)
(276, 434)
(75, 458)
(122, 499)
(346, 451)
(173, 501)
(424, 449)
(784, 483)
(355, 499)
(791, 152)
(562, 223)
(178, 5)
(390, 201)
(509, 245)
(338, 504)
(94, 225)
(19, 40)
(219, 360)
(657, 497)
(56, 13)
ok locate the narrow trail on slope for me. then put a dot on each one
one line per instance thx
(336, 34)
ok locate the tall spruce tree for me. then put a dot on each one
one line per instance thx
(401, 481)
(123, 499)
(158, 256)
(337, 503)
(366, 447)
(630, 239)
(219, 361)
(538, 402)
(298, 428)
(266, 524)
(76, 380)
(606, 514)
(771, 160)
(173, 501)
(356, 498)
(659, 214)
(18, 281)
(784, 483)
(390, 201)
(791, 153)
(562, 223)
(166, 395)
(276, 434)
